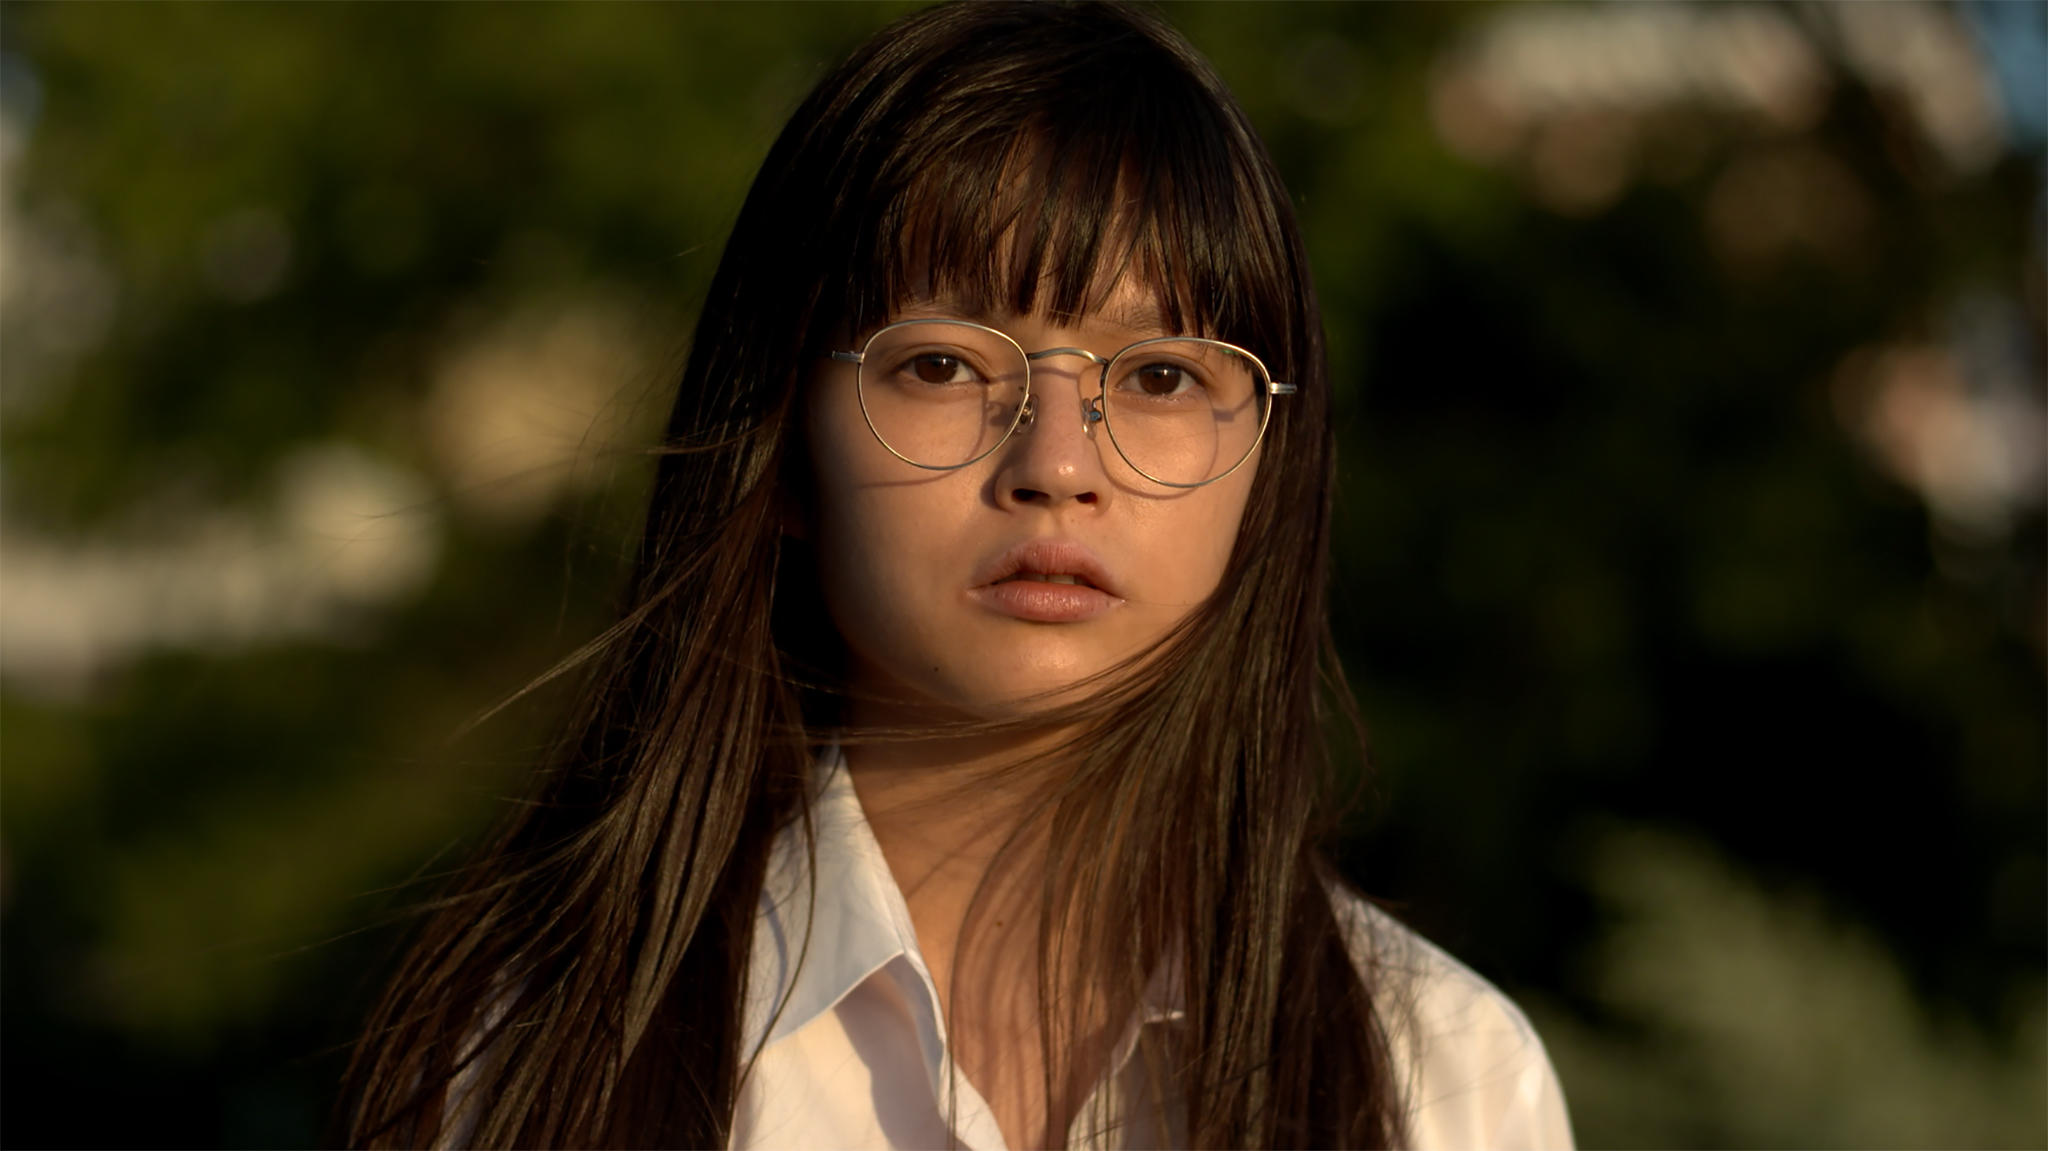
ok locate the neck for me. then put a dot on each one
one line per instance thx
(944, 811)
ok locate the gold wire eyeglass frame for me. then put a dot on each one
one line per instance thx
(1094, 410)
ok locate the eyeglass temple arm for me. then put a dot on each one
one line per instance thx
(848, 357)
(1280, 389)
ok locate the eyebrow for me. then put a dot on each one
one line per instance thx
(1134, 318)
(1146, 317)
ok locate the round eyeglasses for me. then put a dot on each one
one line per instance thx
(1182, 411)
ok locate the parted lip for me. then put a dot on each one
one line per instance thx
(1047, 557)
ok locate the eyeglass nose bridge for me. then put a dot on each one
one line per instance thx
(1091, 413)
(1091, 409)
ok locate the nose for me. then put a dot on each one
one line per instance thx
(1053, 459)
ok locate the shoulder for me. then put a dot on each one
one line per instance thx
(1472, 1067)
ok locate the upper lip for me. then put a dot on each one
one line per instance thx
(1047, 557)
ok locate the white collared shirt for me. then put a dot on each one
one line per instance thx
(857, 1055)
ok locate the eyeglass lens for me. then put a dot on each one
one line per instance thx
(942, 394)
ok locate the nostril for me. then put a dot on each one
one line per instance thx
(1026, 495)
(1085, 498)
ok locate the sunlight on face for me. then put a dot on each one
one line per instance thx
(1045, 561)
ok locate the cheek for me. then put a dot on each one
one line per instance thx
(1187, 542)
(839, 514)
(879, 534)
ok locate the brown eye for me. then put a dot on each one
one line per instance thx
(1161, 379)
(934, 368)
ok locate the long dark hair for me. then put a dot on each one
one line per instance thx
(582, 985)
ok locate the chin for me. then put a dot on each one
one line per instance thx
(998, 676)
(1017, 692)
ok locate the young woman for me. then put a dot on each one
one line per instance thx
(952, 777)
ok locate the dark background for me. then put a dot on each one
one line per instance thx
(1691, 555)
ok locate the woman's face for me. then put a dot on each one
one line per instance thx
(969, 589)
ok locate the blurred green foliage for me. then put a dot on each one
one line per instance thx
(1699, 632)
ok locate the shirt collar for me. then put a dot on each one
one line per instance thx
(858, 922)
(823, 930)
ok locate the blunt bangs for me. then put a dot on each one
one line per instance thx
(1039, 180)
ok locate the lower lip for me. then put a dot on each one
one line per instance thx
(1041, 602)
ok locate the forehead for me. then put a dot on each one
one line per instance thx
(1130, 308)
(1036, 244)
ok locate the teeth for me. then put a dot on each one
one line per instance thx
(1060, 578)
